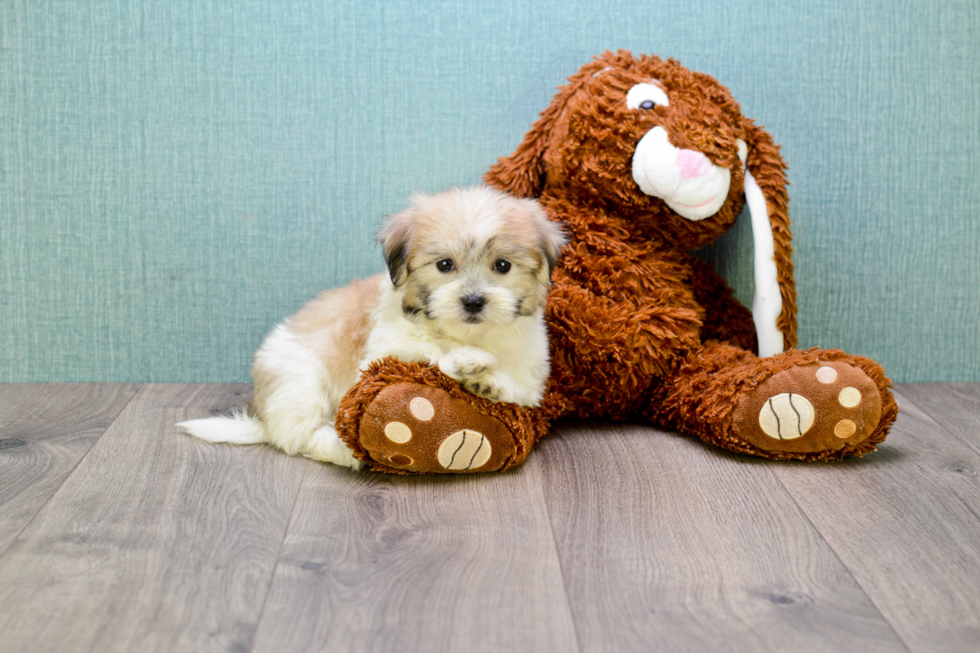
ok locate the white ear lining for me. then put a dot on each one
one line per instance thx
(767, 303)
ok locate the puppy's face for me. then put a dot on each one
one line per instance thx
(470, 258)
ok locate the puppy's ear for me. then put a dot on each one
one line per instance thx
(395, 238)
(768, 202)
(551, 236)
(522, 174)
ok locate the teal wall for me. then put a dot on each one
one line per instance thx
(176, 176)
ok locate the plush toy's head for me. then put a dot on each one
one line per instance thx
(667, 153)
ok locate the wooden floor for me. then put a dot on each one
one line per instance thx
(119, 534)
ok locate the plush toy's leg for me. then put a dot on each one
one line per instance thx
(407, 418)
(804, 405)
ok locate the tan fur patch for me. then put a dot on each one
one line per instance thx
(336, 325)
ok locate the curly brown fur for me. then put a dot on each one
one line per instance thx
(579, 153)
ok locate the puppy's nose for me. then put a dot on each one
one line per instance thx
(473, 303)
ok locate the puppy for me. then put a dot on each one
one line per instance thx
(468, 275)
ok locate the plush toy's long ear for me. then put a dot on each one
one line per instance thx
(774, 304)
(523, 172)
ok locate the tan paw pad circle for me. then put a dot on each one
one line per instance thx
(421, 409)
(464, 450)
(845, 429)
(397, 432)
(400, 459)
(849, 397)
(826, 374)
(786, 416)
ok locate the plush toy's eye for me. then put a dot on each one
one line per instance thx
(502, 266)
(445, 265)
(646, 96)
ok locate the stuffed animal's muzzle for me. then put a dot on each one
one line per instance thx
(685, 180)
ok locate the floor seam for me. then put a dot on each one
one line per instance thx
(139, 391)
(843, 564)
(275, 567)
(971, 446)
(554, 544)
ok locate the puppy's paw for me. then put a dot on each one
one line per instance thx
(467, 363)
(484, 386)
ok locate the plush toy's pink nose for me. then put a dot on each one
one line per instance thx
(692, 164)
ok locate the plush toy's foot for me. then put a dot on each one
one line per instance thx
(818, 404)
(408, 418)
(819, 407)
(420, 429)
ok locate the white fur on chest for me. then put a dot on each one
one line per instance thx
(520, 348)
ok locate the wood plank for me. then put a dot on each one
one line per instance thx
(45, 429)
(156, 542)
(906, 522)
(669, 544)
(387, 563)
(954, 406)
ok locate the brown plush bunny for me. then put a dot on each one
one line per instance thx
(644, 160)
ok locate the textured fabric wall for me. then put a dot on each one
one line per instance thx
(175, 177)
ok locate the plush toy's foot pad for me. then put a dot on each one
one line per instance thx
(816, 407)
(418, 428)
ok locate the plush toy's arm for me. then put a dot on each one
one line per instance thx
(635, 333)
(725, 318)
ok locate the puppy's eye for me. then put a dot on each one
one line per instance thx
(502, 266)
(647, 104)
(445, 265)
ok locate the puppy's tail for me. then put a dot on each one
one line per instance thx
(237, 429)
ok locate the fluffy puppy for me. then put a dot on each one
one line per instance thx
(468, 275)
